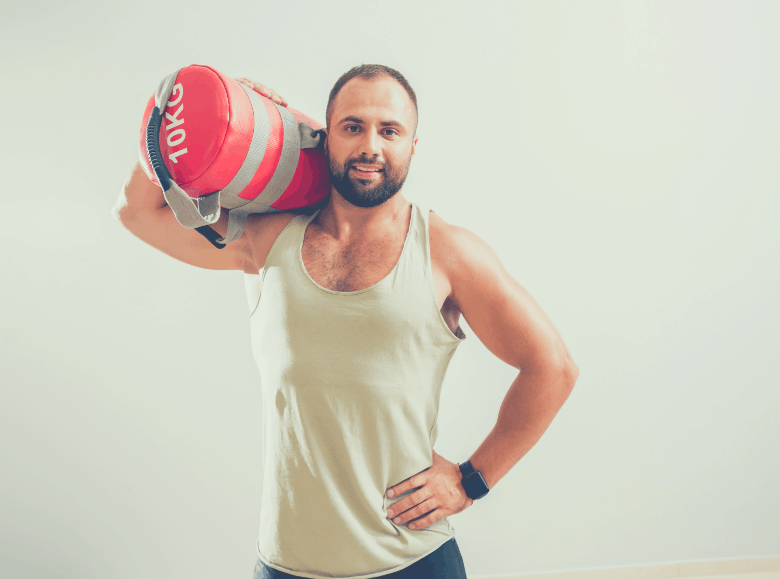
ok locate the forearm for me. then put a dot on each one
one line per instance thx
(528, 409)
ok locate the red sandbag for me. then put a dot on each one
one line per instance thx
(227, 146)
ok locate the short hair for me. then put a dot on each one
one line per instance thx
(368, 72)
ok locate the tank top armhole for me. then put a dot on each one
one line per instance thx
(459, 335)
(267, 258)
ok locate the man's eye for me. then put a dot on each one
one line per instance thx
(350, 127)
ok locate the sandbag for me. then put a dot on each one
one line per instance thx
(209, 138)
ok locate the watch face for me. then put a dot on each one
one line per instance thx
(475, 486)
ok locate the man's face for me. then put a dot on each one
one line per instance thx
(370, 140)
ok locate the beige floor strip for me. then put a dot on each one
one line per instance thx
(728, 569)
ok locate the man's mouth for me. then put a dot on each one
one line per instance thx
(366, 171)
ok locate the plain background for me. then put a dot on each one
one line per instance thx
(620, 157)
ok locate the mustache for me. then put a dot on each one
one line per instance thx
(364, 161)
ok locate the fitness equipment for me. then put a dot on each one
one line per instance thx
(211, 142)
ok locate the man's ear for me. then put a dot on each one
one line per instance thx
(414, 144)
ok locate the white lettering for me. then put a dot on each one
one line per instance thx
(180, 89)
(173, 139)
(176, 137)
(173, 156)
(176, 121)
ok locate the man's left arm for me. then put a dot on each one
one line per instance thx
(509, 322)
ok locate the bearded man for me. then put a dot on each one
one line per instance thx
(354, 313)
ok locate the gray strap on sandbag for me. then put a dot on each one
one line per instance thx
(285, 169)
(236, 225)
(257, 146)
(237, 215)
(288, 161)
(310, 138)
(189, 212)
(208, 204)
(164, 89)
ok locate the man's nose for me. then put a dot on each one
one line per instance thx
(370, 146)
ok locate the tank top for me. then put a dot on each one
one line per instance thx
(350, 385)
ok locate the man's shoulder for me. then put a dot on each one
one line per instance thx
(453, 243)
(458, 251)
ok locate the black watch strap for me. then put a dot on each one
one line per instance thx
(466, 468)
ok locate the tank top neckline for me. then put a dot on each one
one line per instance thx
(366, 289)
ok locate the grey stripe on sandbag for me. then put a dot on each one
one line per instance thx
(163, 93)
(229, 198)
(208, 204)
(310, 138)
(236, 225)
(187, 213)
(288, 161)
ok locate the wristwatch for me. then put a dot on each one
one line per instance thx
(472, 481)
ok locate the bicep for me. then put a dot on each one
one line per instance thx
(499, 310)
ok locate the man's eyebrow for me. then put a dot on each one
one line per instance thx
(391, 124)
(360, 121)
(351, 120)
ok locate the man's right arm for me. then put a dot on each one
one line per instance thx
(142, 209)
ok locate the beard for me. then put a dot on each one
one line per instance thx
(361, 192)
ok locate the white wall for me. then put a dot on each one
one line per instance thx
(621, 158)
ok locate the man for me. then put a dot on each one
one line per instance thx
(355, 325)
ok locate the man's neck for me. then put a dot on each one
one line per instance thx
(347, 223)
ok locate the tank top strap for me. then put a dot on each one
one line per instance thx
(288, 242)
(415, 260)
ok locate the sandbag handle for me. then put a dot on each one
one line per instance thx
(153, 149)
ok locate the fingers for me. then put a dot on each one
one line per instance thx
(263, 90)
(410, 507)
(416, 515)
(404, 486)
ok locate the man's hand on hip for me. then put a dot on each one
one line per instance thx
(440, 495)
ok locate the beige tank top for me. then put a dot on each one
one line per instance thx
(350, 387)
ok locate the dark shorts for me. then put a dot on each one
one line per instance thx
(445, 562)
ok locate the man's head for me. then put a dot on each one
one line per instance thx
(372, 121)
(369, 72)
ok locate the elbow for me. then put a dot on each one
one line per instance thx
(120, 206)
(574, 373)
(121, 210)
(570, 371)
(563, 369)
(120, 214)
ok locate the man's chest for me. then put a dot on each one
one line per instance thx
(348, 268)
